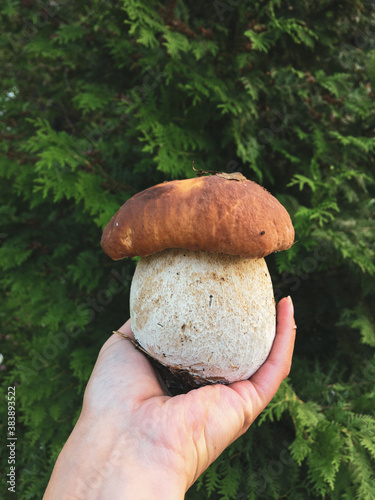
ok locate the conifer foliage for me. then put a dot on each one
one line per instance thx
(99, 100)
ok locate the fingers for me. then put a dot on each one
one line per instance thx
(121, 368)
(126, 330)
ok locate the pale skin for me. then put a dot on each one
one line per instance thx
(132, 441)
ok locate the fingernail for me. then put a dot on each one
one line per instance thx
(291, 303)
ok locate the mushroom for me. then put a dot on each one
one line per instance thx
(201, 299)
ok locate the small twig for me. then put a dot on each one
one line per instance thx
(203, 172)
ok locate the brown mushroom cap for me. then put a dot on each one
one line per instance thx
(219, 213)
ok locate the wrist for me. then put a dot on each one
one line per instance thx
(102, 461)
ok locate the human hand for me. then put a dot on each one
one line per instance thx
(134, 441)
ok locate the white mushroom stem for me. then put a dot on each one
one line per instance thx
(211, 314)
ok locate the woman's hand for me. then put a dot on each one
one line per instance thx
(134, 441)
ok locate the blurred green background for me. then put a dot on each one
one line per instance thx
(99, 100)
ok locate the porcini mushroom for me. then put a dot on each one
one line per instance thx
(201, 299)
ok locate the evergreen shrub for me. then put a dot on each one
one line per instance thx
(99, 100)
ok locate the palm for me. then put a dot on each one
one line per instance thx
(192, 428)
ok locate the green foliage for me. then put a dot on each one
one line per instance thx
(100, 101)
